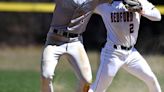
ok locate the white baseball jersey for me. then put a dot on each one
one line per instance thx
(73, 15)
(122, 26)
(122, 31)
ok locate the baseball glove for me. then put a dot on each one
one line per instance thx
(133, 5)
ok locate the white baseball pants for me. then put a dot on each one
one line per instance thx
(113, 59)
(76, 55)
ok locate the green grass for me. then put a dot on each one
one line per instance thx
(19, 72)
(19, 81)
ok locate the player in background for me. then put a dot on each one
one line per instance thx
(69, 21)
(122, 27)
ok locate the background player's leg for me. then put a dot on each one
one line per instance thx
(81, 65)
(139, 67)
(48, 64)
(108, 68)
(47, 85)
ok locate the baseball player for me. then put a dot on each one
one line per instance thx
(122, 26)
(69, 21)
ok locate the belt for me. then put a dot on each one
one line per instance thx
(66, 34)
(122, 47)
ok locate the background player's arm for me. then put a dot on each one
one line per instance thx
(150, 11)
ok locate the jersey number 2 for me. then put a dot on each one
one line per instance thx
(131, 28)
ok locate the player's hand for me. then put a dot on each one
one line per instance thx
(133, 5)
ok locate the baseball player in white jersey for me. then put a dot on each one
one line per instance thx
(119, 52)
(69, 21)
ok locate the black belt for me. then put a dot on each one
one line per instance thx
(122, 47)
(66, 34)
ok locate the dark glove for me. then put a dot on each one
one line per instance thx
(133, 5)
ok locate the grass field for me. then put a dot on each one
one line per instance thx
(19, 72)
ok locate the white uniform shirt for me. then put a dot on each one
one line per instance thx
(122, 26)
